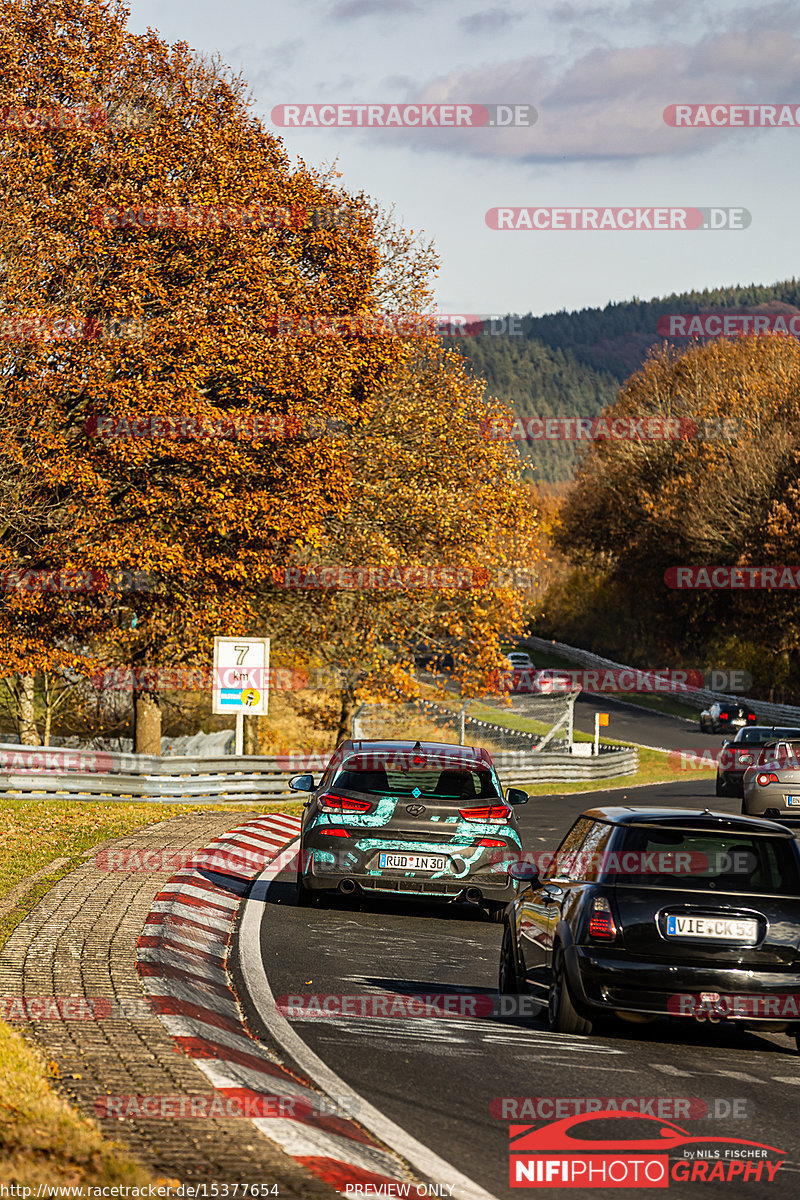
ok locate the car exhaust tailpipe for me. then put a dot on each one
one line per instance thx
(347, 887)
(474, 895)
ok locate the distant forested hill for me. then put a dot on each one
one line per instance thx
(570, 364)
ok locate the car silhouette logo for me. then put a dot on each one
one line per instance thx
(415, 810)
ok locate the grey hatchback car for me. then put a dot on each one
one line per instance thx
(426, 820)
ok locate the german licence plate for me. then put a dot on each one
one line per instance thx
(793, 799)
(723, 929)
(413, 862)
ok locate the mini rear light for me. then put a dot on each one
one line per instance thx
(490, 812)
(763, 779)
(723, 716)
(745, 758)
(334, 833)
(330, 802)
(601, 922)
(751, 717)
(491, 842)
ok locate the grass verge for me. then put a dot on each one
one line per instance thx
(42, 1139)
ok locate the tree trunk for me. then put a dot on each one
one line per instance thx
(147, 723)
(347, 708)
(26, 719)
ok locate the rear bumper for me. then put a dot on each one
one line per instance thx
(759, 800)
(602, 982)
(421, 887)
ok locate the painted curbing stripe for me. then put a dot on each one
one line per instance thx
(164, 970)
(206, 1048)
(168, 904)
(329, 1145)
(176, 1007)
(157, 919)
(304, 1140)
(187, 949)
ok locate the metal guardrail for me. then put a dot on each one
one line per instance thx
(769, 714)
(34, 772)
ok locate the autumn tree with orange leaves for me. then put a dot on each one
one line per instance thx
(434, 547)
(115, 310)
(724, 493)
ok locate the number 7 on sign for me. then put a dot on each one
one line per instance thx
(241, 654)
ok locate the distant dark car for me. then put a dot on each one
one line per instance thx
(724, 716)
(424, 820)
(661, 912)
(741, 752)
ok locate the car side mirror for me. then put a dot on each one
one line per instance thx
(516, 796)
(524, 872)
(302, 783)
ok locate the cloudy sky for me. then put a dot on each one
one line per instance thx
(599, 76)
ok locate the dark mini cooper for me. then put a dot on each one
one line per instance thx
(426, 820)
(661, 912)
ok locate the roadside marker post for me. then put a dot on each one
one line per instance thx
(241, 681)
(599, 719)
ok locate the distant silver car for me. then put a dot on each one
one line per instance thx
(771, 787)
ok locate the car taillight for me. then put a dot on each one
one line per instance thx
(491, 842)
(763, 779)
(334, 833)
(330, 802)
(751, 717)
(490, 812)
(723, 716)
(601, 922)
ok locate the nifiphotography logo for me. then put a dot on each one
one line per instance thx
(642, 1152)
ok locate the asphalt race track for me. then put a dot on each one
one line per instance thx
(442, 1079)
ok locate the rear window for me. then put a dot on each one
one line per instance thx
(785, 754)
(456, 783)
(699, 860)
